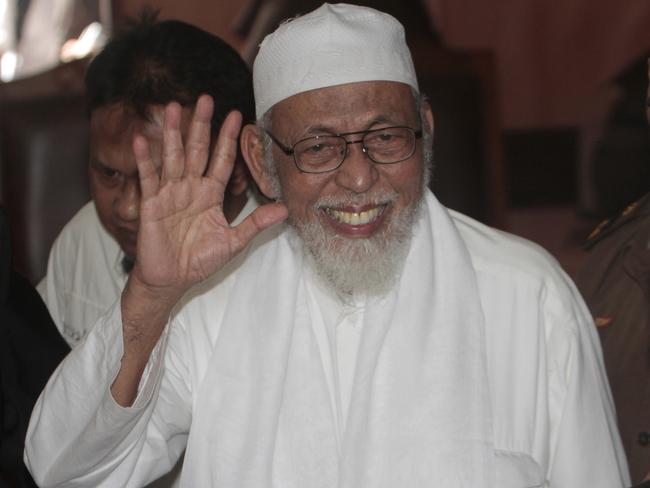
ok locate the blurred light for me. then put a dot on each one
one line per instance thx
(91, 39)
(8, 65)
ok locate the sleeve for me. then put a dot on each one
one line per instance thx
(586, 449)
(79, 436)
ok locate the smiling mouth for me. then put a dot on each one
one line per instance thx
(355, 218)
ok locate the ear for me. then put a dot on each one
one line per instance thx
(252, 147)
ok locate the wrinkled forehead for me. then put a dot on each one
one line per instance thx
(353, 106)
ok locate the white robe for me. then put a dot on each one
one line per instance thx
(481, 368)
(84, 275)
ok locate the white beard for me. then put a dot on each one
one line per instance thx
(366, 266)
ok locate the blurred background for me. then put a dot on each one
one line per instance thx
(539, 106)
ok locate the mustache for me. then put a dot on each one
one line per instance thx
(360, 200)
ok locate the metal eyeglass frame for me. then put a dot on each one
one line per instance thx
(290, 151)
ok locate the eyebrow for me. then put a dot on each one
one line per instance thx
(100, 165)
(97, 163)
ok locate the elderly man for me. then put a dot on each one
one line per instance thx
(127, 86)
(376, 340)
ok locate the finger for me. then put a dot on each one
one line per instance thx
(197, 147)
(172, 154)
(262, 218)
(149, 180)
(225, 152)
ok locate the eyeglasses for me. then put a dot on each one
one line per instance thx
(321, 154)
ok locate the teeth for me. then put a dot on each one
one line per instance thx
(355, 218)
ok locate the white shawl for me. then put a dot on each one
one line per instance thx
(419, 414)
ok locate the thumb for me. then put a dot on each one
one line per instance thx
(262, 218)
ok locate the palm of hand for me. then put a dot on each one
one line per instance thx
(184, 236)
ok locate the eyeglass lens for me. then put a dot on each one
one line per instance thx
(324, 153)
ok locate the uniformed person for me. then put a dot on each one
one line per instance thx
(615, 282)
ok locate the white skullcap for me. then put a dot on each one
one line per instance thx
(333, 45)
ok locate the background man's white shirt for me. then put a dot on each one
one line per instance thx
(85, 275)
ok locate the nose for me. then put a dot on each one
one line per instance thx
(127, 203)
(357, 173)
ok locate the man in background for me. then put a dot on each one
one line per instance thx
(615, 283)
(128, 84)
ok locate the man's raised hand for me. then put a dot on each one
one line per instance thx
(184, 236)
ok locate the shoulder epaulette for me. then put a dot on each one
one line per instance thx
(629, 214)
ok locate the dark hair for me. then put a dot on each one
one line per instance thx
(154, 63)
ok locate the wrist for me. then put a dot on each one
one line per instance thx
(145, 312)
(139, 292)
